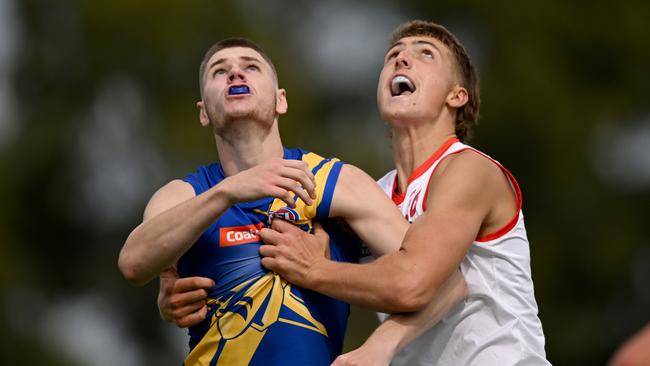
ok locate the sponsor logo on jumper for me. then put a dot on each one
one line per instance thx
(289, 214)
(237, 235)
(285, 213)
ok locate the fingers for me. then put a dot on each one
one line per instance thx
(270, 236)
(188, 309)
(193, 318)
(267, 251)
(290, 185)
(307, 182)
(192, 283)
(304, 175)
(287, 180)
(182, 299)
(269, 263)
(270, 251)
(299, 172)
(283, 226)
(283, 194)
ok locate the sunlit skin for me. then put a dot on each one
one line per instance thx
(375, 219)
(240, 66)
(422, 119)
(429, 65)
(242, 123)
(175, 217)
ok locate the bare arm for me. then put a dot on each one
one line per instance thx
(396, 332)
(361, 203)
(175, 217)
(461, 203)
(400, 329)
(373, 216)
(369, 212)
(173, 220)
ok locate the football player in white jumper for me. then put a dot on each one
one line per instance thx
(465, 210)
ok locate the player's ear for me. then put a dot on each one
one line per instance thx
(457, 97)
(203, 116)
(281, 105)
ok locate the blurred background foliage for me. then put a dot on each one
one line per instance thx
(97, 110)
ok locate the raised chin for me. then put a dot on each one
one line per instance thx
(399, 108)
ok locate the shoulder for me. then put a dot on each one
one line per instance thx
(176, 187)
(467, 178)
(351, 174)
(349, 182)
(168, 196)
(356, 188)
(468, 165)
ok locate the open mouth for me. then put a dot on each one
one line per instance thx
(238, 90)
(401, 85)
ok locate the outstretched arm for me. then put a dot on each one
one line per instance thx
(175, 217)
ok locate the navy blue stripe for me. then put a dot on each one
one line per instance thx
(220, 346)
(313, 171)
(323, 209)
(320, 165)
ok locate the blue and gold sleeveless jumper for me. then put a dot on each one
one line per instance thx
(254, 316)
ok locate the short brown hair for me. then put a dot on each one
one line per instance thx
(230, 43)
(467, 115)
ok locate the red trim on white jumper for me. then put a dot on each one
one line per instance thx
(399, 198)
(507, 227)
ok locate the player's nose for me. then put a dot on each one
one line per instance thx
(236, 74)
(402, 60)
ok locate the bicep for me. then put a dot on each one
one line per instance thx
(369, 212)
(168, 196)
(457, 205)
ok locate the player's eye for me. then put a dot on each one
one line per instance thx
(218, 72)
(391, 55)
(252, 68)
(427, 53)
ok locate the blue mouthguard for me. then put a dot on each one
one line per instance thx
(237, 90)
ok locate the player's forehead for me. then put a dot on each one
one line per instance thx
(238, 53)
(421, 41)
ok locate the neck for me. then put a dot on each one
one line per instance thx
(247, 144)
(413, 145)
